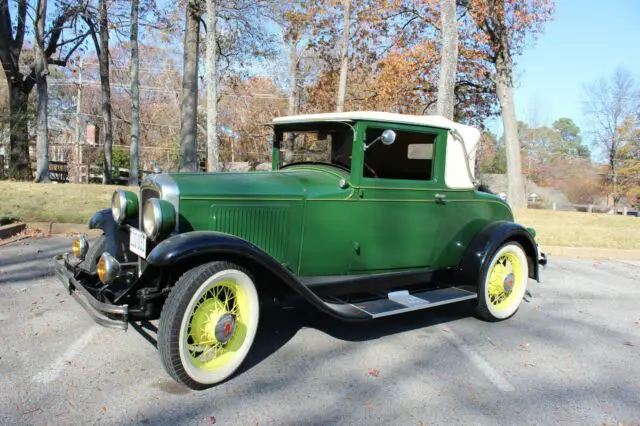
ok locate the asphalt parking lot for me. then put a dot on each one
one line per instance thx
(570, 356)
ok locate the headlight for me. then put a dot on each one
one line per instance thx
(80, 247)
(158, 218)
(124, 204)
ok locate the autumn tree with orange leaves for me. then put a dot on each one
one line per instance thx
(502, 29)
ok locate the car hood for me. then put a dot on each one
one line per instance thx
(296, 182)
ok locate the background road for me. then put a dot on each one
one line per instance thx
(571, 355)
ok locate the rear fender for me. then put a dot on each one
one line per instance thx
(487, 241)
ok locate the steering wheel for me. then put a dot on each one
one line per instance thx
(373, 172)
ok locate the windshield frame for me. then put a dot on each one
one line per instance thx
(280, 129)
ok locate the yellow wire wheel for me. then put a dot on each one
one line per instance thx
(208, 324)
(503, 283)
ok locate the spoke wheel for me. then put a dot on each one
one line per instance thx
(503, 283)
(208, 324)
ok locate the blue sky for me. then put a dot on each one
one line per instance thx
(586, 41)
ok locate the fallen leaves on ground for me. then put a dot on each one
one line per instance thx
(32, 232)
(374, 372)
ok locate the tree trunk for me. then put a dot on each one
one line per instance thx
(293, 76)
(344, 57)
(504, 86)
(19, 163)
(212, 91)
(448, 59)
(107, 133)
(189, 102)
(42, 129)
(135, 95)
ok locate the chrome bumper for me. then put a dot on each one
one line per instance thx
(98, 310)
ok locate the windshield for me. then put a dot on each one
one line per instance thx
(328, 143)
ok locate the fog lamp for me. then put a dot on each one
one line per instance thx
(108, 268)
(79, 247)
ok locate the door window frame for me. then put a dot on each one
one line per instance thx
(357, 164)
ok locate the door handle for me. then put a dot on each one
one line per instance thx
(441, 198)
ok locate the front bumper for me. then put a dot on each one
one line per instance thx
(106, 314)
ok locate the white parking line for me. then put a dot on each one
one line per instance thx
(57, 367)
(477, 360)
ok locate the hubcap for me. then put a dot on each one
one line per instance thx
(225, 328)
(508, 283)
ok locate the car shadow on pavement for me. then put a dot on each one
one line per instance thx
(278, 325)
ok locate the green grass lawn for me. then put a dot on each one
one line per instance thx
(73, 203)
(70, 203)
(574, 229)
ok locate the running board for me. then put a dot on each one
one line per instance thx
(398, 302)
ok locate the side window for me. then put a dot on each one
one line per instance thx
(410, 157)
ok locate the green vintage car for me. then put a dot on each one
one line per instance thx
(363, 215)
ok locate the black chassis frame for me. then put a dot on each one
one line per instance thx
(139, 297)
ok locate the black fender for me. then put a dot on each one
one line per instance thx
(117, 237)
(207, 246)
(485, 244)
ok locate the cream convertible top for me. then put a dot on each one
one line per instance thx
(457, 169)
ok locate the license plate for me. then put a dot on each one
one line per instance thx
(138, 242)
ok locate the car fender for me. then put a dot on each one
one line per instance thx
(207, 246)
(117, 237)
(487, 241)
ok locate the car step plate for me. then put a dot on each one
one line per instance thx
(398, 302)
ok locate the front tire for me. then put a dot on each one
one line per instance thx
(208, 324)
(503, 283)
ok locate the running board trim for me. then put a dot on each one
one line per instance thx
(402, 301)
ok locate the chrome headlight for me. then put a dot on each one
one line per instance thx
(158, 218)
(80, 247)
(108, 268)
(124, 204)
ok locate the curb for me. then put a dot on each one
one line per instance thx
(55, 228)
(8, 231)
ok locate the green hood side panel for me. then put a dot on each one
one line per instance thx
(265, 208)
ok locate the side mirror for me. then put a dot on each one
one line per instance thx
(387, 137)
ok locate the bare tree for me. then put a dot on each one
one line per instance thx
(611, 103)
(20, 84)
(344, 56)
(448, 59)
(189, 102)
(42, 129)
(101, 44)
(211, 60)
(135, 95)
(295, 19)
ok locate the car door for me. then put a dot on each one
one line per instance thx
(397, 203)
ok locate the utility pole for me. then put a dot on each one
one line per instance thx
(77, 135)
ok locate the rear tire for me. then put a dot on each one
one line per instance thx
(208, 324)
(503, 283)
